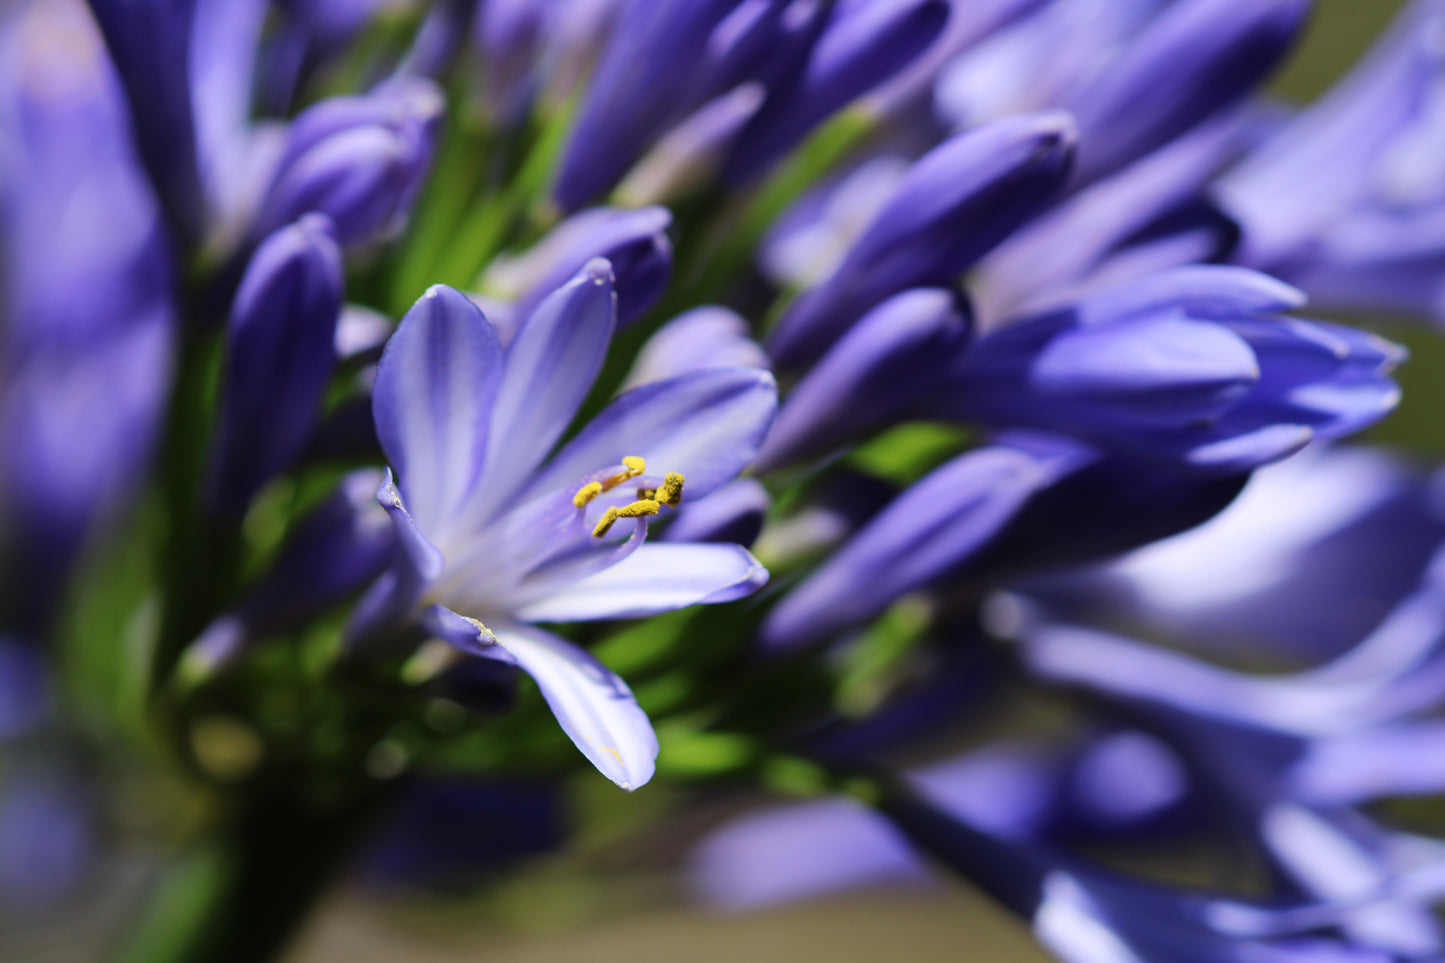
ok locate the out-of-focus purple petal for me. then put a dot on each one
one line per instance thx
(645, 75)
(223, 46)
(934, 526)
(24, 686)
(1308, 560)
(634, 242)
(955, 204)
(1194, 59)
(864, 43)
(705, 337)
(280, 353)
(734, 513)
(360, 160)
(707, 425)
(149, 43)
(433, 400)
(1284, 196)
(47, 839)
(690, 153)
(653, 579)
(893, 355)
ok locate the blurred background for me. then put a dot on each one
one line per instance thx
(618, 895)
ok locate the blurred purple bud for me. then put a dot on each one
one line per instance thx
(734, 513)
(24, 688)
(149, 43)
(336, 550)
(864, 43)
(932, 528)
(690, 152)
(954, 205)
(705, 337)
(439, 39)
(635, 242)
(359, 160)
(1195, 58)
(646, 76)
(1064, 250)
(808, 242)
(280, 343)
(1191, 365)
(892, 356)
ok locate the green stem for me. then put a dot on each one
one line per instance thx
(244, 893)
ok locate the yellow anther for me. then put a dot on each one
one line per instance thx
(635, 465)
(636, 509)
(671, 491)
(586, 493)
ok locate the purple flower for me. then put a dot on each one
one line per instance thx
(489, 526)
(705, 337)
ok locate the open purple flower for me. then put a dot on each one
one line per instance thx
(489, 527)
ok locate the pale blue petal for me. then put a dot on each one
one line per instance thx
(655, 578)
(550, 366)
(432, 401)
(592, 704)
(705, 424)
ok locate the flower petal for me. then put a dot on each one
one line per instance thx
(655, 578)
(705, 424)
(550, 365)
(592, 704)
(415, 565)
(433, 399)
(934, 526)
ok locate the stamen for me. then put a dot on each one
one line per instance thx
(636, 509)
(632, 467)
(671, 491)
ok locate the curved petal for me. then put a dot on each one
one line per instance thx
(705, 424)
(550, 365)
(655, 578)
(933, 527)
(592, 704)
(415, 565)
(432, 401)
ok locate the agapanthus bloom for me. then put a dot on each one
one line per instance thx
(493, 536)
